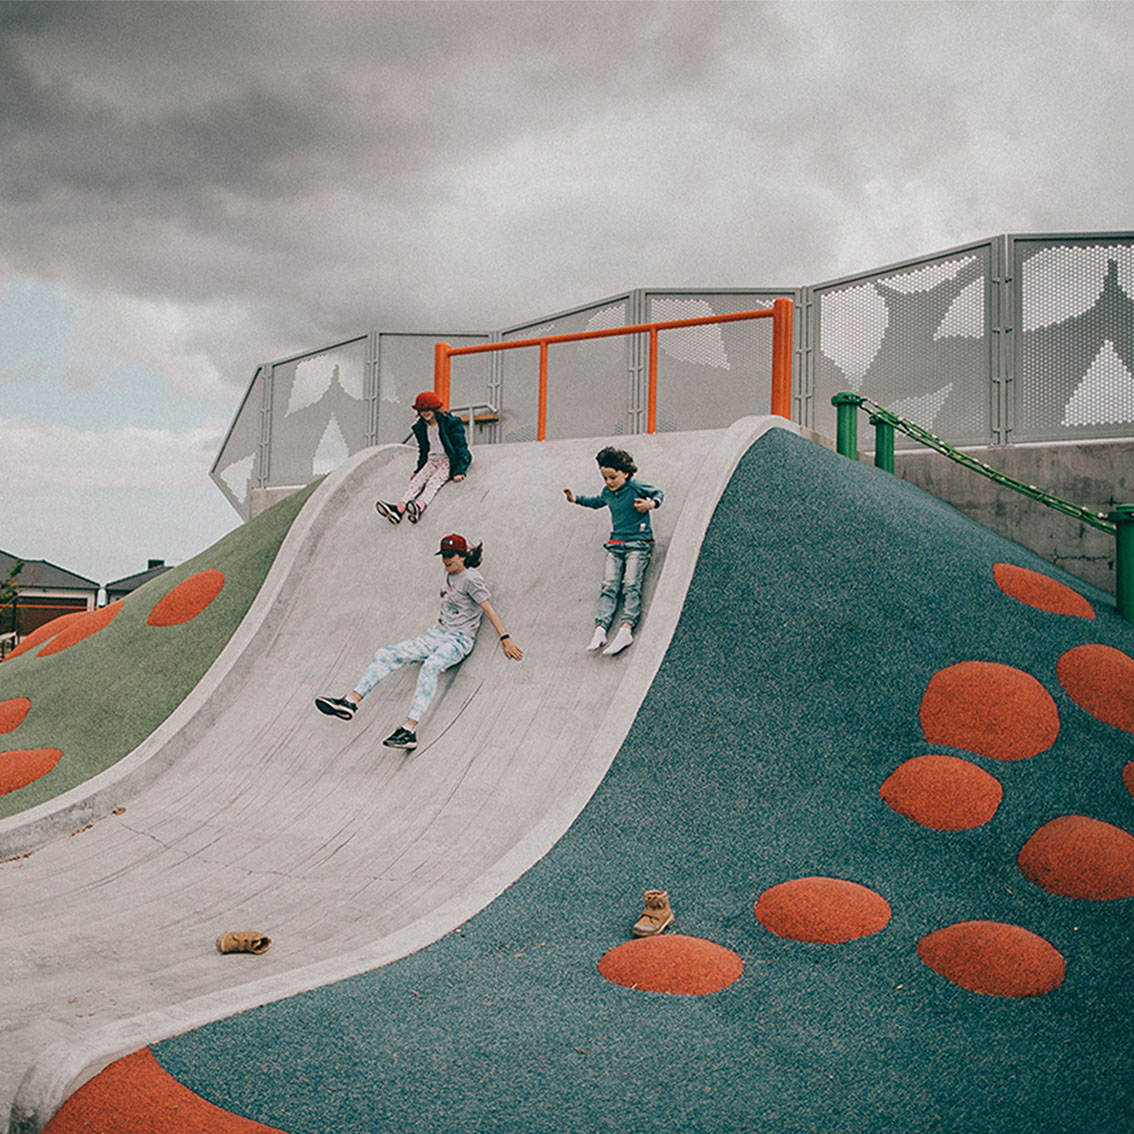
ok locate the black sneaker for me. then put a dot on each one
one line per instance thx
(336, 707)
(401, 738)
(413, 510)
(390, 511)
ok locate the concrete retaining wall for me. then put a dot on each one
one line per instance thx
(1096, 474)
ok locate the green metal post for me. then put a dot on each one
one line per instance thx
(846, 424)
(883, 443)
(1123, 519)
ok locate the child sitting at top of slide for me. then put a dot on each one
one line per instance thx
(442, 455)
(629, 547)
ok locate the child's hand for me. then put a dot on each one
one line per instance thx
(458, 478)
(570, 496)
(642, 503)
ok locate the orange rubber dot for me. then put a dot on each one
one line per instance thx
(187, 599)
(993, 958)
(826, 911)
(673, 963)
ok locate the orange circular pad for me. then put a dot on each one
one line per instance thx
(187, 599)
(991, 709)
(827, 911)
(1040, 591)
(90, 623)
(48, 630)
(672, 963)
(993, 958)
(1100, 679)
(12, 713)
(1079, 857)
(945, 793)
(21, 766)
(137, 1094)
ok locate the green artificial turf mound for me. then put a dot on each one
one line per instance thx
(102, 682)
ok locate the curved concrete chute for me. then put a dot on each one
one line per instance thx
(252, 810)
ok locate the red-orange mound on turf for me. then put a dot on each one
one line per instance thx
(991, 709)
(826, 911)
(12, 713)
(1128, 777)
(1080, 857)
(21, 766)
(942, 792)
(672, 963)
(187, 599)
(1100, 679)
(48, 630)
(90, 623)
(1040, 591)
(993, 958)
(136, 1095)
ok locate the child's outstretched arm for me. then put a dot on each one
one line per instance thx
(570, 496)
(510, 648)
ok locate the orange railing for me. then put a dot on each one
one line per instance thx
(780, 313)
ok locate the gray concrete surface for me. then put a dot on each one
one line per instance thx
(1095, 474)
(250, 810)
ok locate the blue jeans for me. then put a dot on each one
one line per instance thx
(624, 573)
(437, 650)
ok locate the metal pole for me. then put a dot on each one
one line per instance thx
(541, 423)
(883, 443)
(1123, 519)
(846, 424)
(781, 356)
(441, 372)
(652, 384)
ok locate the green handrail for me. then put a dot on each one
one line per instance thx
(1118, 523)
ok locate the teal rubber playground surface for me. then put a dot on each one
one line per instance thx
(826, 598)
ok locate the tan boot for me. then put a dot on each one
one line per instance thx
(656, 916)
(242, 941)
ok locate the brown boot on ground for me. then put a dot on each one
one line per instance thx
(242, 941)
(656, 916)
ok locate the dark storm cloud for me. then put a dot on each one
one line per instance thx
(320, 168)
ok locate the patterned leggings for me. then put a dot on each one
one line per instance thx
(437, 650)
(427, 481)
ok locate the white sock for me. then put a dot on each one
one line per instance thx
(599, 639)
(621, 640)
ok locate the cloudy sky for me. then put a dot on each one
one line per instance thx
(188, 189)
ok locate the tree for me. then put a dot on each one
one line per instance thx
(9, 592)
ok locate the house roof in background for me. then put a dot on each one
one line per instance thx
(133, 582)
(39, 573)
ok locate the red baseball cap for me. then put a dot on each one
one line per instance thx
(453, 544)
(427, 399)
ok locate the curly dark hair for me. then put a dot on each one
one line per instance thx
(611, 458)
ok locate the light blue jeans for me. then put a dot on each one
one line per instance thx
(436, 649)
(624, 572)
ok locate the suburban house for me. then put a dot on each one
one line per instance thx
(44, 592)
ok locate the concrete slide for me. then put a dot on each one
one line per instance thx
(251, 810)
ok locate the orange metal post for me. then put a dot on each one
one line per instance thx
(441, 366)
(541, 427)
(652, 384)
(782, 311)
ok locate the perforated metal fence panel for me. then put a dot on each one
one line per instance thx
(589, 392)
(917, 338)
(1013, 338)
(318, 412)
(236, 471)
(1073, 321)
(405, 368)
(709, 376)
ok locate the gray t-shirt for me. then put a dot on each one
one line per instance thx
(461, 596)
